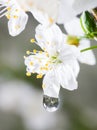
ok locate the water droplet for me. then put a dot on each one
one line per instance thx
(51, 104)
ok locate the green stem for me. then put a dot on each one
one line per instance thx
(90, 48)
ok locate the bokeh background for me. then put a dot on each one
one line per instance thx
(21, 96)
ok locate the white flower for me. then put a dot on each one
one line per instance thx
(74, 29)
(17, 18)
(57, 62)
(61, 11)
(45, 11)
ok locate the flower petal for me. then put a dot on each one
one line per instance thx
(45, 11)
(66, 77)
(66, 12)
(35, 62)
(75, 67)
(48, 37)
(17, 25)
(51, 85)
(72, 25)
(84, 5)
(86, 57)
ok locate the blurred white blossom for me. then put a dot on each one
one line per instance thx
(17, 18)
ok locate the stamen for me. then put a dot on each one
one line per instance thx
(15, 16)
(32, 40)
(39, 76)
(34, 51)
(51, 20)
(31, 63)
(28, 52)
(28, 74)
(43, 85)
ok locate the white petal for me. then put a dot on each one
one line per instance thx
(75, 67)
(86, 57)
(66, 12)
(82, 5)
(17, 25)
(38, 60)
(49, 38)
(51, 34)
(51, 85)
(44, 10)
(74, 28)
(66, 78)
(41, 17)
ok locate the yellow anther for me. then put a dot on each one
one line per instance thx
(15, 16)
(51, 20)
(46, 64)
(25, 57)
(43, 85)
(9, 8)
(31, 63)
(28, 74)
(34, 51)
(40, 52)
(8, 16)
(39, 76)
(32, 40)
(28, 52)
(44, 68)
(47, 54)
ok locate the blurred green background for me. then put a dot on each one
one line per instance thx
(21, 96)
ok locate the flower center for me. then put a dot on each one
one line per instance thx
(72, 40)
(55, 59)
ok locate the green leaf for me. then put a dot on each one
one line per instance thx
(88, 24)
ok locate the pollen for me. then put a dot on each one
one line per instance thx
(43, 85)
(28, 74)
(51, 20)
(32, 40)
(39, 76)
(24, 57)
(8, 8)
(15, 16)
(40, 52)
(47, 54)
(8, 16)
(28, 52)
(31, 63)
(34, 51)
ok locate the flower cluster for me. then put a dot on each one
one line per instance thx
(58, 60)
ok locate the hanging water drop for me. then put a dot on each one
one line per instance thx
(51, 104)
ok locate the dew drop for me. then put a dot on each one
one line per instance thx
(51, 104)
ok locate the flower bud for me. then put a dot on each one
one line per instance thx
(88, 24)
